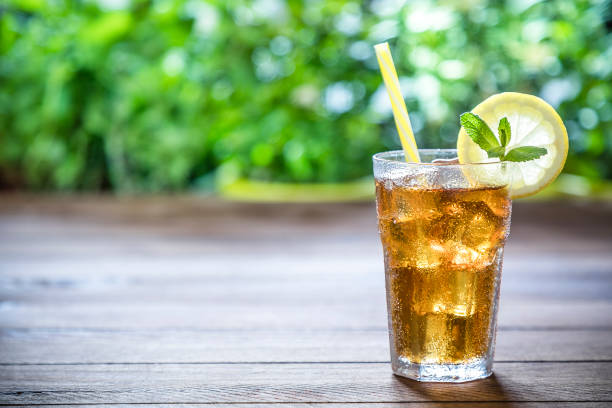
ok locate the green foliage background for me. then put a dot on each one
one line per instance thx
(159, 95)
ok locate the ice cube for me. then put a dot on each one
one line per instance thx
(460, 310)
(465, 256)
(501, 207)
(447, 177)
(429, 255)
(481, 224)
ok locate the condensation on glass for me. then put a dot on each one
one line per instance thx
(443, 226)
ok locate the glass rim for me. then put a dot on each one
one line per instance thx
(385, 157)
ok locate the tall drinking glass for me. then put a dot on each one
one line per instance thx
(443, 226)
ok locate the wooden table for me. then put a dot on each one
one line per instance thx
(189, 300)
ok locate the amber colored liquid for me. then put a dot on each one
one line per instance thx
(443, 250)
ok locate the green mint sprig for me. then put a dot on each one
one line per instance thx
(483, 136)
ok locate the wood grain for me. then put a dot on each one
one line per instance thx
(444, 404)
(257, 346)
(194, 278)
(517, 313)
(272, 383)
(222, 293)
(185, 300)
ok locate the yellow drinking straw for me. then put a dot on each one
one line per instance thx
(400, 113)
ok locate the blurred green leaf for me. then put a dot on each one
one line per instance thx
(168, 95)
(106, 28)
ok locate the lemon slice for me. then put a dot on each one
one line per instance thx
(533, 122)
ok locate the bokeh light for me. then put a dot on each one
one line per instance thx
(161, 95)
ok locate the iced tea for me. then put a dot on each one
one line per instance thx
(443, 237)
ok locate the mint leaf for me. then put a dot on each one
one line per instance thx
(483, 136)
(504, 131)
(525, 153)
(478, 131)
(496, 152)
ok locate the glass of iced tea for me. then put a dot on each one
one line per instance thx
(443, 226)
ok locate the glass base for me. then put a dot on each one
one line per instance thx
(473, 370)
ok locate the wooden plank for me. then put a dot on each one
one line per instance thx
(275, 315)
(319, 293)
(260, 291)
(550, 404)
(69, 243)
(32, 226)
(204, 276)
(173, 217)
(167, 346)
(187, 212)
(276, 383)
(327, 258)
